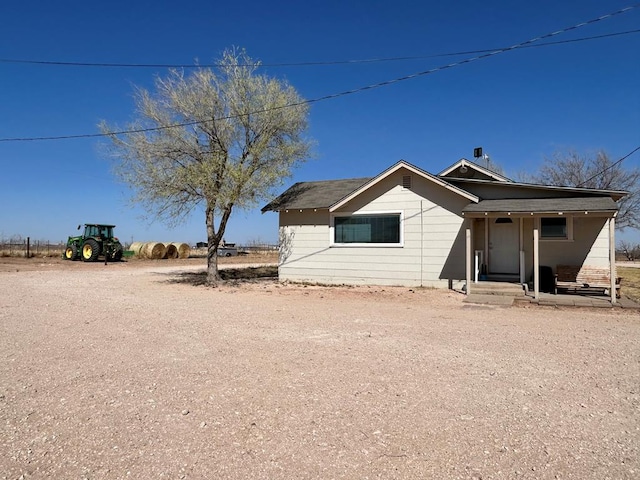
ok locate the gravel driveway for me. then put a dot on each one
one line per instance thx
(113, 372)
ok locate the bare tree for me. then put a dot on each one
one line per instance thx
(570, 169)
(629, 250)
(218, 140)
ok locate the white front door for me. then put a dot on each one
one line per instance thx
(504, 245)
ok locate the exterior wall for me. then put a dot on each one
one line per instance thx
(590, 245)
(432, 251)
(498, 191)
(471, 173)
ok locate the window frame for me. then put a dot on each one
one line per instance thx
(377, 213)
(569, 226)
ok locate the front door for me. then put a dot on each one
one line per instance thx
(504, 245)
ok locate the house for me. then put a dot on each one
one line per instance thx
(409, 227)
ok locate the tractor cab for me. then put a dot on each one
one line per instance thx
(102, 232)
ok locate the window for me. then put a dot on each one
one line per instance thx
(555, 228)
(368, 229)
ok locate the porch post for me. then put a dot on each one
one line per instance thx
(468, 256)
(536, 265)
(486, 243)
(521, 250)
(612, 259)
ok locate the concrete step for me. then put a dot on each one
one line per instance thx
(497, 288)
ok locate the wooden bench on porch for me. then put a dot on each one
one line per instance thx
(585, 278)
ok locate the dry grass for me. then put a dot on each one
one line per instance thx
(52, 252)
(630, 282)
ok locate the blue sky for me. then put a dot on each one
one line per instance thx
(519, 106)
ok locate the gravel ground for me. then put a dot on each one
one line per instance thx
(131, 371)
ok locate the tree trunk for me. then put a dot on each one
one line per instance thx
(213, 277)
(213, 242)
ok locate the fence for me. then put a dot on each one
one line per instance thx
(200, 249)
(258, 248)
(27, 248)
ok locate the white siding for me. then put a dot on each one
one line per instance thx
(432, 250)
(590, 245)
(598, 255)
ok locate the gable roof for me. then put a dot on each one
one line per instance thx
(322, 194)
(413, 169)
(543, 205)
(464, 168)
(333, 194)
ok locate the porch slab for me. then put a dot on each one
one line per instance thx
(560, 300)
(550, 300)
(628, 303)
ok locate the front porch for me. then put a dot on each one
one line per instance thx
(525, 247)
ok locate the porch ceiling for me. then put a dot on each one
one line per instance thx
(532, 206)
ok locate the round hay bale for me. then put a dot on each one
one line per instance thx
(154, 250)
(137, 249)
(171, 251)
(184, 250)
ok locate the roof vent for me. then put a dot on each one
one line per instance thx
(406, 181)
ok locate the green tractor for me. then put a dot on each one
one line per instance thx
(97, 241)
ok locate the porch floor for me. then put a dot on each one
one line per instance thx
(507, 294)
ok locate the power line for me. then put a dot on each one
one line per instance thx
(340, 94)
(609, 167)
(304, 64)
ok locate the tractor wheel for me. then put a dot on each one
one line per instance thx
(71, 253)
(90, 250)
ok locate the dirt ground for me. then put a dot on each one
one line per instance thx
(133, 370)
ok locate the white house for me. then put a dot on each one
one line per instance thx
(409, 227)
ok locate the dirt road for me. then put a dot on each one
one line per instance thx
(132, 371)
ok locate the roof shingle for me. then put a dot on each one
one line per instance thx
(323, 194)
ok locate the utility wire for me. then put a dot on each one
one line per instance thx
(303, 64)
(609, 167)
(335, 95)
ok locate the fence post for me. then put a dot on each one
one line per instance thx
(28, 245)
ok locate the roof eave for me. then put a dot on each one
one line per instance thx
(614, 194)
(536, 212)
